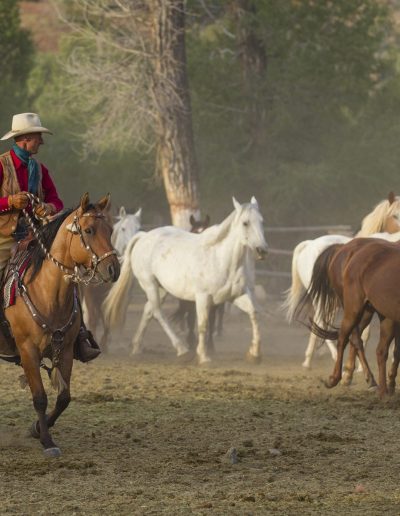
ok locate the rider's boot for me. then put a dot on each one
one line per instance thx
(86, 348)
(8, 348)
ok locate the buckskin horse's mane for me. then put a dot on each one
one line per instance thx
(48, 234)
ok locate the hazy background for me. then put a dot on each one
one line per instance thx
(313, 133)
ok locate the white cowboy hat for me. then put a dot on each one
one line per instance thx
(25, 123)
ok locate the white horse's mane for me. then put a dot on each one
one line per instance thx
(374, 221)
(214, 234)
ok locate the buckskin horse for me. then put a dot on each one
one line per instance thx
(73, 248)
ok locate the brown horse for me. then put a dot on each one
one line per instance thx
(361, 275)
(45, 319)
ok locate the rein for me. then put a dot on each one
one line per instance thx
(74, 275)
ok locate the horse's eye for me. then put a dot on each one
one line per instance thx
(122, 229)
(89, 231)
(245, 223)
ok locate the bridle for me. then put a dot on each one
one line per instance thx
(71, 275)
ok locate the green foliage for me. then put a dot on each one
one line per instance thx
(16, 52)
(313, 134)
(295, 133)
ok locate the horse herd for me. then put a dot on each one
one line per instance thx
(204, 268)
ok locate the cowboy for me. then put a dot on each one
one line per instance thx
(20, 174)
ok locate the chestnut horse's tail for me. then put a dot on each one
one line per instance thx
(115, 305)
(323, 296)
(294, 294)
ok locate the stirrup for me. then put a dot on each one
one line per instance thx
(86, 348)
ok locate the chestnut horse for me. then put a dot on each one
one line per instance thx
(45, 319)
(385, 217)
(362, 276)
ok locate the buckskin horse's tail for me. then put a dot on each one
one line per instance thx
(294, 294)
(115, 305)
(322, 295)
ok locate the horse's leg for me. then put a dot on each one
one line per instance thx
(154, 295)
(144, 321)
(332, 348)
(349, 367)
(365, 337)
(310, 350)
(30, 360)
(64, 397)
(104, 337)
(357, 342)
(190, 308)
(349, 322)
(396, 360)
(387, 332)
(210, 330)
(202, 312)
(220, 310)
(246, 304)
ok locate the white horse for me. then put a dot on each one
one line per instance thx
(383, 221)
(125, 227)
(209, 268)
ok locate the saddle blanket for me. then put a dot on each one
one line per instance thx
(18, 263)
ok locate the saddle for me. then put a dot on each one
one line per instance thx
(15, 269)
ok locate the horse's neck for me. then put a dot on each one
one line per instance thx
(49, 287)
(231, 252)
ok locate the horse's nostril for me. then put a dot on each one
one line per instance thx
(111, 271)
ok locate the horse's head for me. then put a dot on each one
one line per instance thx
(90, 244)
(198, 226)
(391, 224)
(126, 226)
(250, 224)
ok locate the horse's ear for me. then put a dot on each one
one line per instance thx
(254, 202)
(84, 201)
(138, 214)
(192, 220)
(207, 221)
(104, 202)
(122, 212)
(236, 204)
(391, 197)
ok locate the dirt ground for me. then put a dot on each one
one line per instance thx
(151, 436)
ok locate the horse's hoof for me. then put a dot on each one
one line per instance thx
(331, 382)
(306, 365)
(52, 452)
(253, 359)
(204, 361)
(371, 383)
(186, 357)
(34, 430)
(346, 381)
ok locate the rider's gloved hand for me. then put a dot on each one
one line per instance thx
(43, 210)
(19, 200)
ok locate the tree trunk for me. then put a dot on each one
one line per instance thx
(176, 159)
(253, 59)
